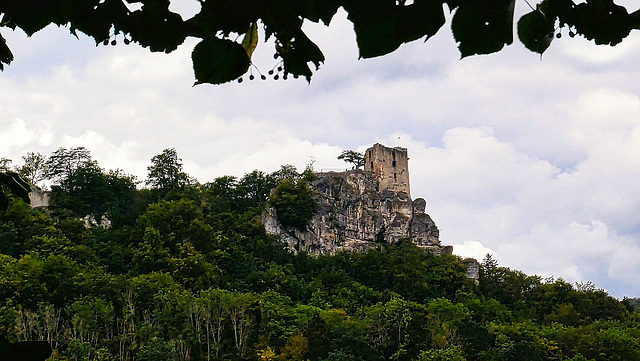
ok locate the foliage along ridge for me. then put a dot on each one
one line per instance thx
(184, 271)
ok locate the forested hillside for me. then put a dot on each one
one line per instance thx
(183, 270)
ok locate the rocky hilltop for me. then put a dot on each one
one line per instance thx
(354, 214)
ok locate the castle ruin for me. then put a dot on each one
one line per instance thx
(390, 167)
(361, 209)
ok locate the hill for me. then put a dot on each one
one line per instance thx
(186, 271)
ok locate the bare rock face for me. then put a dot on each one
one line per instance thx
(354, 215)
(473, 268)
(38, 197)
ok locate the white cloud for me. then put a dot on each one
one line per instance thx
(14, 133)
(584, 51)
(486, 195)
(472, 249)
(578, 252)
(269, 156)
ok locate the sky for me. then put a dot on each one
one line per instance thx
(533, 160)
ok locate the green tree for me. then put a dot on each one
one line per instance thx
(505, 285)
(91, 319)
(238, 308)
(123, 202)
(64, 163)
(20, 224)
(33, 168)
(255, 187)
(223, 195)
(214, 318)
(89, 191)
(295, 349)
(192, 270)
(151, 255)
(84, 191)
(165, 172)
(294, 203)
(389, 323)
(564, 314)
(177, 222)
(352, 157)
(317, 338)
(451, 353)
(286, 171)
(50, 279)
(157, 349)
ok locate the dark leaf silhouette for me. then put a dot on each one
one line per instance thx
(381, 27)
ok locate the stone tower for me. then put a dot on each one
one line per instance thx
(390, 167)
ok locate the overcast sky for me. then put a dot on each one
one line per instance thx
(535, 161)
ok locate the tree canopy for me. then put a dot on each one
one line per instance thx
(353, 157)
(229, 29)
(191, 275)
(165, 172)
(64, 163)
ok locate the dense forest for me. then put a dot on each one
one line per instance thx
(173, 269)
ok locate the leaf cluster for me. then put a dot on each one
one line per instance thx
(228, 29)
(353, 157)
(294, 203)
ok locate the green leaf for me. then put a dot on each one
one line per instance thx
(535, 31)
(483, 26)
(250, 40)
(218, 61)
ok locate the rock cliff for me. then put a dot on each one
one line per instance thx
(353, 214)
(39, 198)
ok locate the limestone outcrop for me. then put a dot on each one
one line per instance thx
(355, 215)
(38, 197)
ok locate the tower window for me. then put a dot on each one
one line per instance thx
(371, 166)
(394, 177)
(393, 163)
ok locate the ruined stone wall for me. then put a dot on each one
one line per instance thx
(390, 167)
